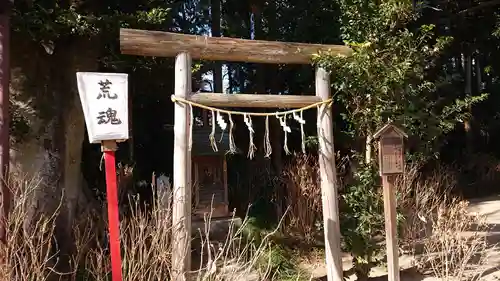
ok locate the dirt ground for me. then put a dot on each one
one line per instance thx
(489, 207)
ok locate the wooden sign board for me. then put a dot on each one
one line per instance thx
(391, 150)
(104, 98)
(391, 155)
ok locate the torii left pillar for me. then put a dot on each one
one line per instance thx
(181, 213)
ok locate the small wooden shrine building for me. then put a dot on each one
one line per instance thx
(209, 170)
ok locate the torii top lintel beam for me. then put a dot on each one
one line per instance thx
(167, 44)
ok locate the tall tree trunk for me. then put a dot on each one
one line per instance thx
(216, 32)
(4, 116)
(215, 12)
(479, 74)
(276, 136)
(45, 96)
(468, 91)
(230, 77)
(368, 147)
(259, 35)
(260, 79)
(468, 74)
(57, 159)
(460, 64)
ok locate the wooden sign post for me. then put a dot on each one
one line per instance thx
(391, 161)
(104, 98)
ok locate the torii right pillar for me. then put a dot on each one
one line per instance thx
(328, 173)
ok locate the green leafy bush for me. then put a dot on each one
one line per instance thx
(393, 74)
(362, 220)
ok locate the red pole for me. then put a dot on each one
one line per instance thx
(113, 214)
(5, 8)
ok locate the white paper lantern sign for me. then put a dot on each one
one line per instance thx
(104, 98)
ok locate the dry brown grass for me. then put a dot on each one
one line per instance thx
(236, 257)
(31, 254)
(434, 222)
(303, 196)
(456, 249)
(447, 240)
(146, 248)
(419, 198)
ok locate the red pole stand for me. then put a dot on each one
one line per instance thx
(109, 148)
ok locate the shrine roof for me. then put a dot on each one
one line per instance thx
(388, 128)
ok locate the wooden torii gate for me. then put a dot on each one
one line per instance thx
(188, 47)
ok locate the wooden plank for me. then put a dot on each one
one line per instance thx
(109, 145)
(253, 100)
(391, 227)
(181, 207)
(196, 182)
(167, 44)
(224, 171)
(329, 187)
